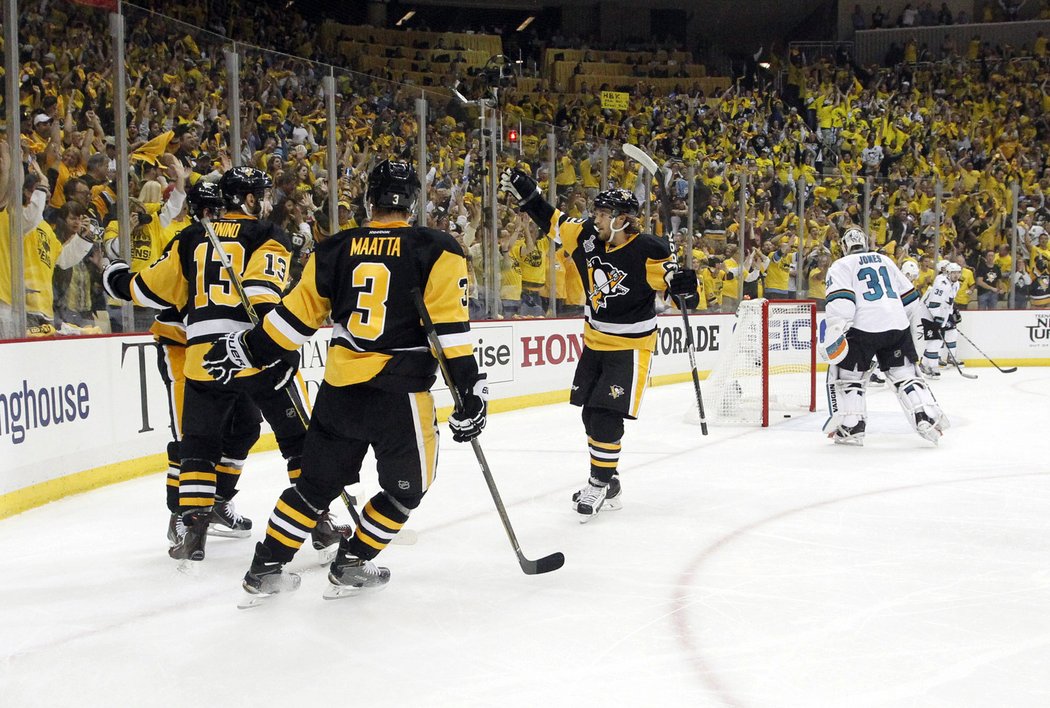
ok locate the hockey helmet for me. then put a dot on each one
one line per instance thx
(618, 201)
(910, 270)
(953, 271)
(853, 240)
(941, 265)
(393, 185)
(203, 195)
(238, 182)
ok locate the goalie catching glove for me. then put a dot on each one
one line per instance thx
(518, 184)
(468, 422)
(682, 286)
(833, 343)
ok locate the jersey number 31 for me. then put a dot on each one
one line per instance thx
(875, 289)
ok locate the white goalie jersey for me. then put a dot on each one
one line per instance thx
(869, 291)
(940, 298)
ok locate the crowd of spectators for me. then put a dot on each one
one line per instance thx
(925, 15)
(836, 143)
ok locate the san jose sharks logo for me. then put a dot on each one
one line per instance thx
(608, 282)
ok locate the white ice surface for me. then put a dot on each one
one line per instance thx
(749, 568)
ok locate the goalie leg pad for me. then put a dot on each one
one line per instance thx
(846, 402)
(915, 397)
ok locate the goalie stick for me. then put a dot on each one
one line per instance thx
(649, 164)
(1009, 370)
(253, 317)
(530, 567)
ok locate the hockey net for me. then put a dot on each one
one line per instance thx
(768, 366)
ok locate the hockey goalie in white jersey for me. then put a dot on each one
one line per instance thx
(870, 306)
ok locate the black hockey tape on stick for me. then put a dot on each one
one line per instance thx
(530, 567)
(1008, 370)
(649, 165)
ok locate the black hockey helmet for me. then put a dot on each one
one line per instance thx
(237, 182)
(619, 201)
(204, 195)
(393, 185)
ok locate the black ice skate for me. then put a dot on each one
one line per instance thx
(191, 545)
(226, 522)
(850, 434)
(596, 496)
(176, 529)
(350, 575)
(326, 535)
(265, 579)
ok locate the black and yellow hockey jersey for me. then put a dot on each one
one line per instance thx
(189, 276)
(364, 278)
(621, 282)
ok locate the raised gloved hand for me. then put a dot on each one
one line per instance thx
(931, 330)
(110, 275)
(468, 422)
(518, 184)
(682, 285)
(227, 356)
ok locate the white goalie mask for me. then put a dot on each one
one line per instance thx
(853, 241)
(910, 270)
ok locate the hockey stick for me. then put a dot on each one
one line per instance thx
(953, 360)
(530, 567)
(404, 537)
(1009, 370)
(649, 164)
(253, 317)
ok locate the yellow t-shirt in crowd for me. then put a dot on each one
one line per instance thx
(40, 252)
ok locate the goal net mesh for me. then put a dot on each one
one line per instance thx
(766, 366)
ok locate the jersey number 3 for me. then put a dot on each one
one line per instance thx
(875, 288)
(369, 317)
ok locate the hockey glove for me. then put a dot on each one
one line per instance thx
(955, 318)
(682, 285)
(931, 330)
(833, 343)
(468, 422)
(518, 185)
(227, 356)
(116, 271)
(286, 369)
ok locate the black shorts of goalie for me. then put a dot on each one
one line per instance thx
(613, 380)
(892, 348)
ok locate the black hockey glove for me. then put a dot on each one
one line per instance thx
(286, 370)
(227, 356)
(682, 285)
(931, 330)
(956, 317)
(114, 279)
(518, 185)
(467, 424)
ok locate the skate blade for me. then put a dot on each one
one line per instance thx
(253, 599)
(226, 532)
(852, 441)
(607, 505)
(929, 432)
(338, 592)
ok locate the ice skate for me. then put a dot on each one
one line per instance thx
(927, 427)
(326, 535)
(176, 529)
(877, 379)
(190, 545)
(350, 575)
(928, 371)
(849, 434)
(265, 579)
(226, 522)
(595, 497)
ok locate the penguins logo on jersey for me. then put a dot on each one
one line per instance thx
(616, 391)
(608, 282)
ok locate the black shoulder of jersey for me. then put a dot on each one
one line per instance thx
(655, 247)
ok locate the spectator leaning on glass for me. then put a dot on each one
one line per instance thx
(988, 277)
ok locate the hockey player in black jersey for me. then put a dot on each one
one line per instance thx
(623, 271)
(376, 389)
(190, 276)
